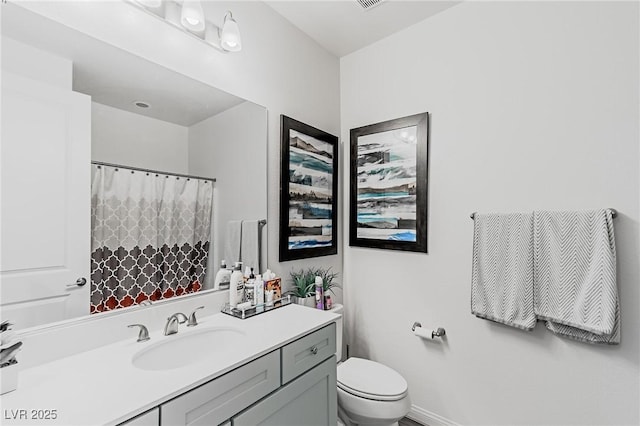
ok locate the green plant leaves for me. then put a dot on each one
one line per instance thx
(304, 281)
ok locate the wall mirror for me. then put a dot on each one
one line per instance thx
(118, 109)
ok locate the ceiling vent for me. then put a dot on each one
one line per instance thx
(369, 4)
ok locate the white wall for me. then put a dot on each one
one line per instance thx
(27, 61)
(534, 105)
(232, 147)
(126, 138)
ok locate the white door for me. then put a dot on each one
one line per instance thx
(44, 202)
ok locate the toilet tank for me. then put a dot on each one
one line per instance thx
(338, 309)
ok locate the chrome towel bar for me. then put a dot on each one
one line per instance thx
(614, 213)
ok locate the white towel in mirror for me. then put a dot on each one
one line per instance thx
(232, 243)
(250, 249)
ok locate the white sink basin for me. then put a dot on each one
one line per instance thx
(193, 346)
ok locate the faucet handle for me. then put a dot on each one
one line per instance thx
(192, 318)
(143, 335)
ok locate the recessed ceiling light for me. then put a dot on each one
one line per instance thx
(141, 104)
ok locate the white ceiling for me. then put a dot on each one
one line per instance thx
(117, 78)
(343, 26)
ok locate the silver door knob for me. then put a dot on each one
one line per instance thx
(79, 282)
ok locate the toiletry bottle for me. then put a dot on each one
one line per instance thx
(236, 285)
(258, 291)
(249, 291)
(267, 275)
(319, 294)
(223, 276)
(328, 303)
(250, 285)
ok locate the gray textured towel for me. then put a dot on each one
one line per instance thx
(575, 286)
(502, 280)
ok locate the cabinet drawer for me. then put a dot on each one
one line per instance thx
(307, 352)
(218, 400)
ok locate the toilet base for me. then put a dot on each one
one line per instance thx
(354, 410)
(343, 420)
(341, 423)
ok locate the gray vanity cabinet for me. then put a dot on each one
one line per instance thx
(218, 400)
(311, 400)
(293, 385)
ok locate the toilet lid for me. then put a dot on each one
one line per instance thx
(371, 380)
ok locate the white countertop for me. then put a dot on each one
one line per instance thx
(103, 387)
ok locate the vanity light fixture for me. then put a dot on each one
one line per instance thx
(230, 35)
(188, 15)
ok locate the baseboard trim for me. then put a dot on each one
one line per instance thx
(428, 418)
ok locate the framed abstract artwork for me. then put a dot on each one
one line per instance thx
(308, 191)
(389, 184)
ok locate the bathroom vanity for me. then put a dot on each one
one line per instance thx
(279, 370)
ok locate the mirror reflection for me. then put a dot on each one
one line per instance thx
(175, 162)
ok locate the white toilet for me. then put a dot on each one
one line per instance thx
(369, 393)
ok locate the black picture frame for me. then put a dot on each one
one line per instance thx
(308, 191)
(389, 181)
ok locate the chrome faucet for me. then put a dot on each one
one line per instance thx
(172, 323)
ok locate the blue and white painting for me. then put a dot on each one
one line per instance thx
(310, 192)
(386, 188)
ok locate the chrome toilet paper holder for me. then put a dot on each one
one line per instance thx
(434, 333)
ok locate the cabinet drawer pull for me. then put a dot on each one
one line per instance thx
(314, 350)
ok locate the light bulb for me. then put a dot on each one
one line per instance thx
(192, 17)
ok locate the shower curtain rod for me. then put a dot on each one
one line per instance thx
(157, 172)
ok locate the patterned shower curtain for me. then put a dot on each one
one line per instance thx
(149, 236)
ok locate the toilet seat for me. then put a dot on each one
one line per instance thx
(370, 380)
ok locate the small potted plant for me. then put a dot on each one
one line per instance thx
(303, 287)
(303, 284)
